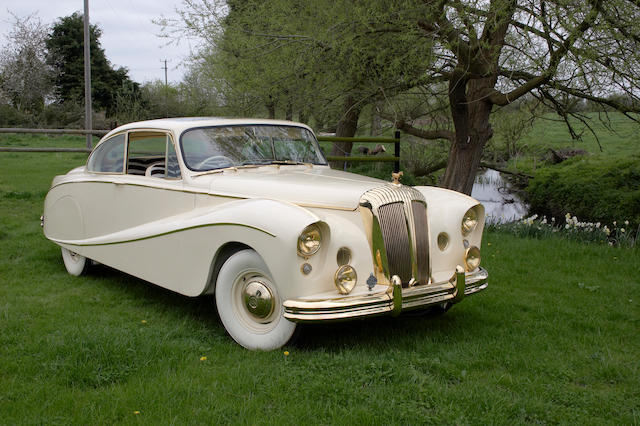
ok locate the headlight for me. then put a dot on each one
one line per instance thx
(309, 241)
(472, 258)
(469, 221)
(345, 279)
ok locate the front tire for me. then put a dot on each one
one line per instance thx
(249, 305)
(75, 263)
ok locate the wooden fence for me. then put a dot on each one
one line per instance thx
(367, 158)
(347, 159)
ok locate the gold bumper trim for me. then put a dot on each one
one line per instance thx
(390, 302)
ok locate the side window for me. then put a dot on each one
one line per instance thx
(152, 154)
(108, 157)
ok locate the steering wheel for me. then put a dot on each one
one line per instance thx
(216, 162)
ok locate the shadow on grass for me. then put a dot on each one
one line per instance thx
(200, 309)
(406, 331)
(403, 332)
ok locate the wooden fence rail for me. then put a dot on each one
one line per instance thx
(55, 131)
(367, 139)
(347, 159)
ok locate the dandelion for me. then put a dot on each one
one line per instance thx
(488, 244)
(286, 353)
(143, 321)
(203, 358)
(136, 412)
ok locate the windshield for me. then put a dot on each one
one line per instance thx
(213, 148)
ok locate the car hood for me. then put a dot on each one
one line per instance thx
(302, 185)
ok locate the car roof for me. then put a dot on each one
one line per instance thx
(180, 124)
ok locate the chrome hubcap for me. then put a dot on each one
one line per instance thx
(258, 299)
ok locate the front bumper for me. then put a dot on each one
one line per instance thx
(391, 301)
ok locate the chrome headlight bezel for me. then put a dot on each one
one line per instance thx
(309, 241)
(469, 221)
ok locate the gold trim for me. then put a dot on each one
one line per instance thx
(161, 235)
(392, 300)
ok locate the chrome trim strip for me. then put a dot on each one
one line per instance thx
(392, 301)
(81, 244)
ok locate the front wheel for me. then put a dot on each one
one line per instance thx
(75, 263)
(249, 305)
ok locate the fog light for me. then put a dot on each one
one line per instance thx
(472, 258)
(345, 279)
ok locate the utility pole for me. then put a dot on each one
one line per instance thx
(87, 75)
(166, 89)
(165, 72)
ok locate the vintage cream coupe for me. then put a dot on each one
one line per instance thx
(250, 212)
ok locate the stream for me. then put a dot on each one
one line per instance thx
(501, 202)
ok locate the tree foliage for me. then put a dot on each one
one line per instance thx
(65, 55)
(25, 78)
(472, 56)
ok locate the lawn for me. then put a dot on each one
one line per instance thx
(554, 339)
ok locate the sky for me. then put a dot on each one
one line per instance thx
(129, 38)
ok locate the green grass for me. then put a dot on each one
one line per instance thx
(619, 137)
(554, 339)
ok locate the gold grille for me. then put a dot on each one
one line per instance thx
(401, 221)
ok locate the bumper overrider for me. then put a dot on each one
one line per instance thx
(388, 300)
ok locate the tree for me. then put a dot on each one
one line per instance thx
(269, 55)
(25, 78)
(493, 53)
(475, 56)
(65, 54)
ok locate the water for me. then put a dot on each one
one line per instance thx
(500, 201)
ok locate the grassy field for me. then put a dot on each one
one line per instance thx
(554, 339)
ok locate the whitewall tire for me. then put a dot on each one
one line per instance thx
(249, 305)
(76, 264)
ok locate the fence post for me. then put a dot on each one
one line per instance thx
(396, 146)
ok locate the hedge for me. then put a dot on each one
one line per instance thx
(594, 188)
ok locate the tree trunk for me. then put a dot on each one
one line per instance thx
(347, 127)
(288, 114)
(271, 108)
(470, 113)
(376, 121)
(303, 117)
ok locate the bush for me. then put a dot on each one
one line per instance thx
(594, 188)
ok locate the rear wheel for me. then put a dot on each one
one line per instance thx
(249, 305)
(75, 263)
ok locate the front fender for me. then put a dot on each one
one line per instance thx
(176, 252)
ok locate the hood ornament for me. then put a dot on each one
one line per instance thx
(395, 178)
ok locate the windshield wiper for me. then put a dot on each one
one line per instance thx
(256, 162)
(292, 162)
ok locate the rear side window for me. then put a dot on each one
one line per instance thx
(108, 157)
